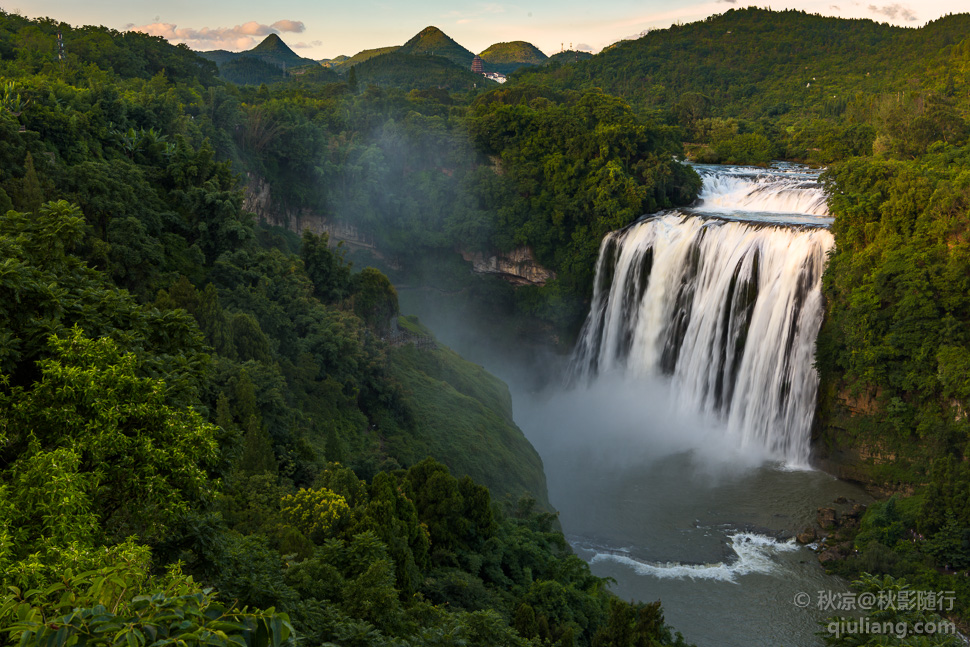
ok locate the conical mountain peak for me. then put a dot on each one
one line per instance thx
(273, 43)
(432, 41)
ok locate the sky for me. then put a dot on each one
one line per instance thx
(321, 29)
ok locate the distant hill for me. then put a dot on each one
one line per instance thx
(752, 63)
(508, 57)
(247, 70)
(433, 41)
(274, 50)
(410, 72)
(271, 53)
(569, 56)
(333, 62)
(362, 56)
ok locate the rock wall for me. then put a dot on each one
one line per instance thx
(258, 199)
(843, 446)
(518, 267)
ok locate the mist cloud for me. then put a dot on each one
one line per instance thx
(244, 36)
(619, 423)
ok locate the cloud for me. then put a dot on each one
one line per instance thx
(835, 7)
(728, 1)
(244, 36)
(295, 26)
(583, 47)
(894, 12)
(303, 45)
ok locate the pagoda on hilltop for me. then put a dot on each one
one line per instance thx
(478, 65)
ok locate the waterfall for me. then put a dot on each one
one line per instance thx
(726, 310)
(785, 190)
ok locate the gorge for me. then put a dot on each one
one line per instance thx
(678, 453)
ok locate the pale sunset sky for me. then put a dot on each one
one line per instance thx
(324, 28)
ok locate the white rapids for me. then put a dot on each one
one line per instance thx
(754, 553)
(783, 190)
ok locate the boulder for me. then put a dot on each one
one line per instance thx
(807, 536)
(830, 555)
(826, 518)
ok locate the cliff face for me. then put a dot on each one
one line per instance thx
(518, 267)
(258, 199)
(845, 446)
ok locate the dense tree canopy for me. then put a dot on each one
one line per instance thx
(201, 417)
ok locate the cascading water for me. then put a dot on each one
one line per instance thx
(785, 190)
(726, 309)
(694, 367)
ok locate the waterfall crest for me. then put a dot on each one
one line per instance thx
(727, 310)
(787, 190)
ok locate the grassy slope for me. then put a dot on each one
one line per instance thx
(463, 415)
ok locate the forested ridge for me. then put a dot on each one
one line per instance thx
(508, 57)
(216, 432)
(751, 85)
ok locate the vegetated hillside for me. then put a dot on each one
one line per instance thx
(575, 166)
(399, 70)
(272, 49)
(748, 62)
(431, 41)
(264, 63)
(751, 85)
(894, 360)
(250, 71)
(178, 384)
(32, 45)
(336, 60)
(568, 56)
(312, 75)
(346, 62)
(464, 415)
(508, 57)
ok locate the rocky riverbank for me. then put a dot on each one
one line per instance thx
(831, 535)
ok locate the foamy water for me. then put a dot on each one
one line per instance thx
(754, 554)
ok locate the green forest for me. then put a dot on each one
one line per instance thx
(214, 430)
(217, 432)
